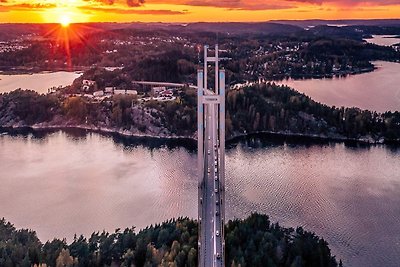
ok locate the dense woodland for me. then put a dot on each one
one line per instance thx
(268, 107)
(253, 242)
(258, 108)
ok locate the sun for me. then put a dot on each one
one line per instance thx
(65, 21)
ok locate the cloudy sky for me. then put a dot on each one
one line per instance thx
(193, 10)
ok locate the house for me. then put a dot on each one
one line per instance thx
(87, 85)
(167, 93)
(131, 92)
(88, 82)
(125, 92)
(119, 92)
(156, 90)
(98, 93)
(109, 90)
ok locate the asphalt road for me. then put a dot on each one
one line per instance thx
(211, 199)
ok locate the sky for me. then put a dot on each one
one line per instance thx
(72, 11)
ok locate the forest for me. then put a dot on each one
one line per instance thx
(252, 242)
(259, 108)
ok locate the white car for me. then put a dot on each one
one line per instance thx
(216, 178)
(217, 233)
(209, 152)
(216, 190)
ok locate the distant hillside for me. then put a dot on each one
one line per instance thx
(221, 27)
(354, 29)
(317, 22)
(237, 27)
(12, 31)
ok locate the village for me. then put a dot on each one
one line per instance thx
(160, 92)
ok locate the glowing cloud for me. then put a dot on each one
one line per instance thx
(193, 10)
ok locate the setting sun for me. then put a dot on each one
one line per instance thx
(65, 21)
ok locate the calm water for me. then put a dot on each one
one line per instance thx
(377, 91)
(64, 183)
(39, 82)
(385, 40)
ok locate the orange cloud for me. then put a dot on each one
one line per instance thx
(349, 2)
(239, 4)
(25, 6)
(195, 10)
(132, 11)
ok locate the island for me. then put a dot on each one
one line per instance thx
(253, 108)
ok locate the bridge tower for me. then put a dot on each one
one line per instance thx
(211, 164)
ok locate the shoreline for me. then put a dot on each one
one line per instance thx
(19, 73)
(82, 69)
(327, 76)
(313, 138)
(32, 71)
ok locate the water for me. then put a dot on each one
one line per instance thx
(65, 183)
(384, 40)
(376, 91)
(39, 82)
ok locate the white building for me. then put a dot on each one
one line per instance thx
(125, 92)
(87, 84)
(98, 93)
(166, 93)
(109, 90)
(131, 92)
(156, 90)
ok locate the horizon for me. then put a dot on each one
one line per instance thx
(189, 11)
(277, 21)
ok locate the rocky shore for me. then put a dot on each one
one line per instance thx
(367, 140)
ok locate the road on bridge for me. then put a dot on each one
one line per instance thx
(212, 197)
